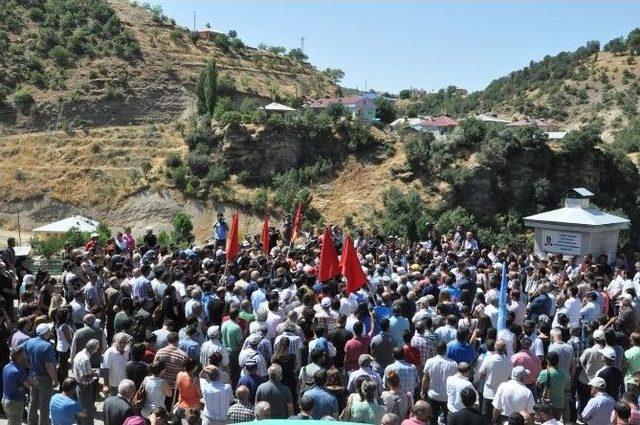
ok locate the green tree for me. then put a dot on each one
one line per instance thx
(615, 46)
(207, 89)
(385, 111)
(278, 50)
(336, 111)
(633, 42)
(405, 94)
(182, 233)
(457, 216)
(417, 149)
(297, 54)
(23, 99)
(335, 75)
(222, 41)
(402, 213)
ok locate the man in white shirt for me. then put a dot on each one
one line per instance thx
(217, 397)
(512, 396)
(114, 362)
(447, 333)
(159, 286)
(273, 319)
(213, 345)
(517, 307)
(434, 380)
(492, 311)
(496, 369)
(572, 304)
(455, 384)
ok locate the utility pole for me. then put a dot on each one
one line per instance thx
(194, 21)
(19, 234)
(302, 43)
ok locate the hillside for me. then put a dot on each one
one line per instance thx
(571, 88)
(98, 63)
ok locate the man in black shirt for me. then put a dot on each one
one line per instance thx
(339, 336)
(611, 374)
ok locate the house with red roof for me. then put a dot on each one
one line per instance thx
(360, 107)
(442, 124)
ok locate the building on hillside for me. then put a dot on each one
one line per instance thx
(556, 135)
(208, 33)
(277, 108)
(577, 229)
(78, 222)
(413, 123)
(358, 106)
(492, 119)
(542, 124)
(439, 126)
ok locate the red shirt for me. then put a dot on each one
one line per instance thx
(148, 356)
(412, 355)
(353, 349)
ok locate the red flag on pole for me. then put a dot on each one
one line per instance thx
(297, 221)
(351, 268)
(265, 236)
(328, 267)
(233, 247)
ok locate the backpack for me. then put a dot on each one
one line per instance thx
(135, 420)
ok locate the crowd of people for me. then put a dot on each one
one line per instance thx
(162, 335)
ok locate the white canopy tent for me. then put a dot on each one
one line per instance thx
(78, 222)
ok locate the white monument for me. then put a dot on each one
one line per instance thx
(577, 229)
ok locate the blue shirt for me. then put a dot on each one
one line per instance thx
(221, 230)
(39, 352)
(324, 403)
(191, 347)
(460, 352)
(598, 409)
(13, 378)
(63, 410)
(382, 311)
(397, 326)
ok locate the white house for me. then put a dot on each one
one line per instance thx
(78, 222)
(359, 106)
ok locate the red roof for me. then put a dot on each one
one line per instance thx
(441, 121)
(323, 103)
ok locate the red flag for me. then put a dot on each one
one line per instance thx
(265, 236)
(233, 247)
(297, 221)
(328, 267)
(351, 268)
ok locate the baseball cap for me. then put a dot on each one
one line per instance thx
(609, 353)
(43, 328)
(598, 382)
(254, 339)
(326, 302)
(213, 331)
(519, 372)
(598, 335)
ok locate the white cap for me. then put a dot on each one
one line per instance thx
(598, 382)
(519, 372)
(326, 302)
(43, 328)
(609, 353)
(94, 235)
(598, 335)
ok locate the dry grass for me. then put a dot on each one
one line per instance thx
(84, 168)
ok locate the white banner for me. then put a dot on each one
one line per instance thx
(561, 242)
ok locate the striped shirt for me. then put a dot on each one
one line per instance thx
(425, 345)
(174, 359)
(82, 369)
(217, 399)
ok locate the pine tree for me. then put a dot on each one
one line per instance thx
(207, 89)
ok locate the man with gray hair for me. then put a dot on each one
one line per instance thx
(241, 411)
(262, 410)
(114, 363)
(87, 378)
(513, 396)
(82, 336)
(117, 408)
(213, 345)
(276, 394)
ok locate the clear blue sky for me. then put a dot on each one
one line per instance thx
(399, 44)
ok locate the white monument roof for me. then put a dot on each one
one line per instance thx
(275, 106)
(583, 192)
(78, 222)
(579, 217)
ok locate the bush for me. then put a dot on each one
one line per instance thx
(224, 105)
(244, 177)
(417, 149)
(60, 56)
(179, 176)
(194, 36)
(628, 139)
(199, 164)
(297, 54)
(458, 216)
(182, 233)
(222, 42)
(402, 213)
(199, 136)
(231, 118)
(225, 86)
(217, 175)
(23, 100)
(173, 160)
